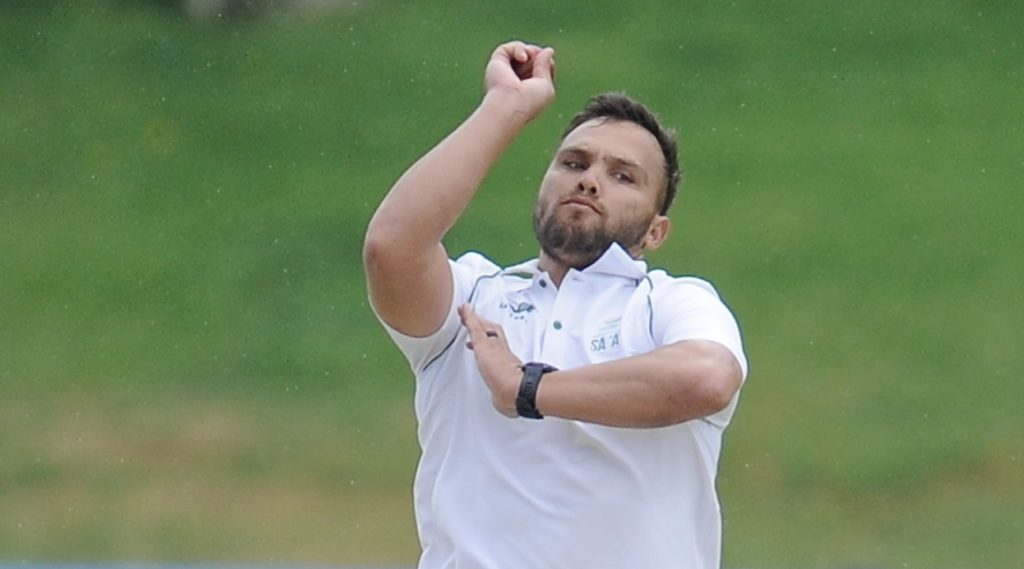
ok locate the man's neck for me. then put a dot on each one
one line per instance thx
(555, 270)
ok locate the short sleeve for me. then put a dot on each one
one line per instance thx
(420, 351)
(690, 309)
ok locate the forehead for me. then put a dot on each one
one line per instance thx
(619, 139)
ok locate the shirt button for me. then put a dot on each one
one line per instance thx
(543, 284)
(557, 325)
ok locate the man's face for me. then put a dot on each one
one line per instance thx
(604, 186)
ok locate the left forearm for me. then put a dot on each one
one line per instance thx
(673, 384)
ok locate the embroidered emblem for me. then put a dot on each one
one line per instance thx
(517, 311)
(607, 336)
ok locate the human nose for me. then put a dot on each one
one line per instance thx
(587, 183)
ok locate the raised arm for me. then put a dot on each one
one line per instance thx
(406, 265)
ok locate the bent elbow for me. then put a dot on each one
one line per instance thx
(709, 387)
(374, 247)
(382, 249)
(718, 396)
(721, 380)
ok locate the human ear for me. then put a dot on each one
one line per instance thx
(657, 233)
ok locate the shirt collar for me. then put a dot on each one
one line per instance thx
(615, 262)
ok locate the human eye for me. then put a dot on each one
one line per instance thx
(624, 177)
(573, 164)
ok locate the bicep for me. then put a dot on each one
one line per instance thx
(410, 293)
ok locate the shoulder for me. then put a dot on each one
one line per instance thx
(690, 308)
(477, 277)
(688, 303)
(471, 267)
(477, 269)
(668, 287)
(472, 261)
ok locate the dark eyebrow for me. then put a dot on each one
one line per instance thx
(574, 151)
(623, 162)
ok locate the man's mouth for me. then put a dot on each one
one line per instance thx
(576, 200)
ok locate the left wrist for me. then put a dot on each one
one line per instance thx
(526, 397)
(510, 389)
(504, 386)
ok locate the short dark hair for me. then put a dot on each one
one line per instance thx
(619, 106)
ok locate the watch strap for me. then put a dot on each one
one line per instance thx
(526, 400)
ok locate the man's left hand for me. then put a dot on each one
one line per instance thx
(500, 368)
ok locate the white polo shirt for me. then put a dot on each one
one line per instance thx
(498, 493)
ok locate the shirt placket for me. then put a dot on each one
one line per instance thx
(561, 323)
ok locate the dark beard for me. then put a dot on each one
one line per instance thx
(576, 247)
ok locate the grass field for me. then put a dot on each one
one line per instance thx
(189, 370)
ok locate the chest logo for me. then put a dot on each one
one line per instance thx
(517, 311)
(607, 336)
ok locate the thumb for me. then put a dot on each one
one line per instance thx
(464, 313)
(469, 318)
(544, 64)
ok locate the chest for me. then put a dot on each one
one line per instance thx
(582, 322)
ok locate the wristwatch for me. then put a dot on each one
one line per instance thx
(526, 401)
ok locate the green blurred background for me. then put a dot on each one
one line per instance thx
(189, 370)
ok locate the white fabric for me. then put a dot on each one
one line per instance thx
(499, 493)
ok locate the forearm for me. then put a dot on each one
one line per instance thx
(429, 198)
(407, 272)
(673, 384)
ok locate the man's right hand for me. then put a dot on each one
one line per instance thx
(525, 72)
